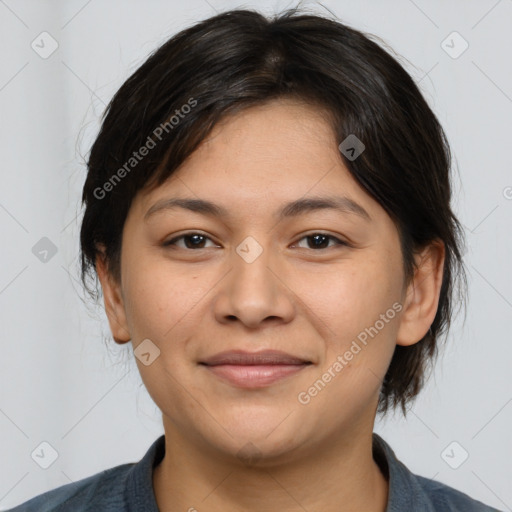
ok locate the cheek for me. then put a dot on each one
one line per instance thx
(359, 309)
(159, 299)
(359, 313)
(348, 299)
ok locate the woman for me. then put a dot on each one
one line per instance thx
(267, 209)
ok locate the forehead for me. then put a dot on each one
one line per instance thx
(269, 153)
(279, 130)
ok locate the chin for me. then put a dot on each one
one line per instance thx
(265, 442)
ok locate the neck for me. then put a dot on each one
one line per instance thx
(339, 476)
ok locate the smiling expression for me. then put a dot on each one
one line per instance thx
(261, 241)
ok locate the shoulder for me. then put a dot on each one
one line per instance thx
(123, 488)
(104, 489)
(446, 498)
(408, 491)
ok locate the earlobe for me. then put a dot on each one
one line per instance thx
(113, 301)
(422, 295)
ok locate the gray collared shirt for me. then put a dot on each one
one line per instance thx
(129, 488)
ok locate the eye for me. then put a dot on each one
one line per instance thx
(192, 241)
(196, 240)
(319, 240)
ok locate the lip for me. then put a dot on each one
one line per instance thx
(264, 357)
(254, 369)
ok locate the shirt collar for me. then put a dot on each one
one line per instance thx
(405, 492)
(139, 493)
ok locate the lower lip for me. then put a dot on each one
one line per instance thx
(255, 376)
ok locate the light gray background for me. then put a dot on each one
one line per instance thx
(62, 383)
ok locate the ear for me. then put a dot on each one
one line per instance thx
(113, 300)
(422, 295)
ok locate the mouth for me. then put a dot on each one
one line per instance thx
(256, 369)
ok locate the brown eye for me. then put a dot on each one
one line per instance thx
(198, 241)
(191, 241)
(321, 241)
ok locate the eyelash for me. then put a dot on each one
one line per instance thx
(173, 241)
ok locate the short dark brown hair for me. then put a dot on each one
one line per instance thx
(239, 59)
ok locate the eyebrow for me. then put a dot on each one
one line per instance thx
(295, 208)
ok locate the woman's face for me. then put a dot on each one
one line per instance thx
(257, 279)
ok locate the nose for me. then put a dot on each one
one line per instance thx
(254, 291)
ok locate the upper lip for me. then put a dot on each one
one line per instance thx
(265, 357)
